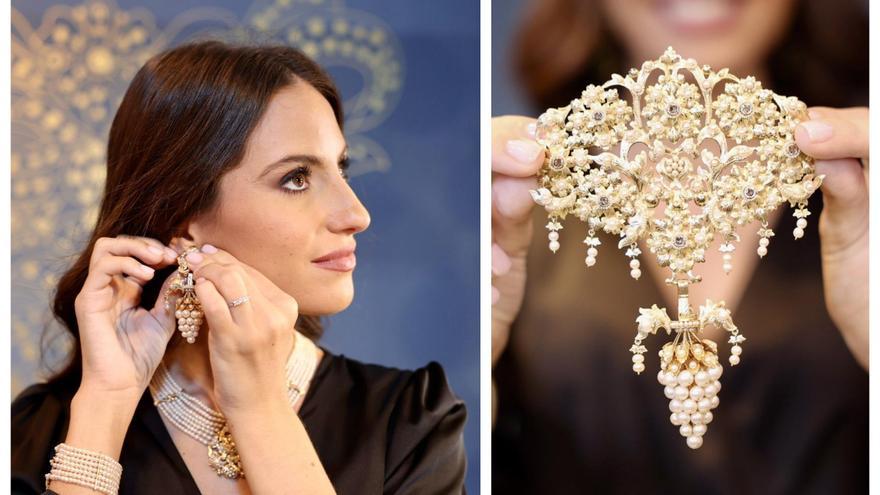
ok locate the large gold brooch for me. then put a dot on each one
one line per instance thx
(679, 162)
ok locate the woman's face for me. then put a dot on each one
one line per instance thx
(737, 34)
(288, 210)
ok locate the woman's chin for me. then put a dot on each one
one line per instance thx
(326, 302)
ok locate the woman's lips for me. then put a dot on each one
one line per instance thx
(342, 260)
(699, 16)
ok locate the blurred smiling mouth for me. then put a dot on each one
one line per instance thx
(698, 16)
(341, 260)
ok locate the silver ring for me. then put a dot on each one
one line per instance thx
(238, 301)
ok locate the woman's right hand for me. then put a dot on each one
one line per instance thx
(122, 343)
(516, 158)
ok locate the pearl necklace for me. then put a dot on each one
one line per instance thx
(208, 426)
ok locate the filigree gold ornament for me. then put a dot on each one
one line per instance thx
(678, 165)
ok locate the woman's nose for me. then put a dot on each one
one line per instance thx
(350, 216)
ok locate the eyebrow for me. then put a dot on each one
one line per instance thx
(311, 160)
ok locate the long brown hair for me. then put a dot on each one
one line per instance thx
(183, 123)
(562, 45)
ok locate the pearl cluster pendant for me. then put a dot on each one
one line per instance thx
(188, 309)
(690, 373)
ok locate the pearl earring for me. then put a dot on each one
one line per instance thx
(188, 309)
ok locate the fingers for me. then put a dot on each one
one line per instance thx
(514, 150)
(103, 270)
(845, 198)
(214, 305)
(150, 251)
(512, 206)
(229, 281)
(834, 133)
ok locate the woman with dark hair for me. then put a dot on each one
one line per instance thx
(571, 414)
(227, 215)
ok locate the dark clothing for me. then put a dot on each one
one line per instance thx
(574, 418)
(376, 430)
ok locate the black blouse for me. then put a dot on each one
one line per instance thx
(375, 429)
(573, 417)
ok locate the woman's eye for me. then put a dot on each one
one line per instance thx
(296, 181)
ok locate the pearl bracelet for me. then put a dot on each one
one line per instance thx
(83, 467)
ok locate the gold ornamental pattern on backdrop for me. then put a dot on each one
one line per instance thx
(679, 161)
(68, 76)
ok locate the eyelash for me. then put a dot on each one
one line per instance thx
(305, 173)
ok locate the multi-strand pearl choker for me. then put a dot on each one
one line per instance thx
(208, 426)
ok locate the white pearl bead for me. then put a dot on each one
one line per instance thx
(553, 236)
(689, 406)
(685, 378)
(802, 223)
(699, 430)
(634, 263)
(681, 393)
(675, 405)
(694, 442)
(683, 417)
(696, 392)
(709, 390)
(713, 402)
(798, 233)
(590, 261)
(697, 418)
(638, 358)
(707, 417)
(736, 350)
(715, 372)
(727, 267)
(673, 418)
(717, 385)
(661, 377)
(704, 404)
(635, 273)
(671, 379)
(764, 242)
(669, 392)
(686, 430)
(762, 251)
(554, 246)
(593, 252)
(727, 257)
(639, 368)
(734, 360)
(701, 378)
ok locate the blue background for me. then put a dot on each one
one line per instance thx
(418, 263)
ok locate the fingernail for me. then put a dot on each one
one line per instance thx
(207, 248)
(147, 270)
(817, 130)
(155, 250)
(194, 257)
(523, 151)
(532, 129)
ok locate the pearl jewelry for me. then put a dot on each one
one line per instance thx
(689, 406)
(669, 392)
(704, 404)
(681, 393)
(685, 378)
(696, 393)
(699, 430)
(695, 442)
(686, 430)
(208, 426)
(701, 378)
(734, 360)
(638, 358)
(802, 223)
(590, 261)
(553, 236)
(554, 246)
(639, 368)
(736, 350)
(798, 232)
(675, 405)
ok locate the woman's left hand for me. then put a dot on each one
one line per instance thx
(250, 343)
(838, 139)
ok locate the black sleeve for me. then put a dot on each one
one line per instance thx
(426, 453)
(39, 422)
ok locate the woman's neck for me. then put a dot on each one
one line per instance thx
(190, 365)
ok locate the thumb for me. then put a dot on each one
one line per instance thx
(845, 198)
